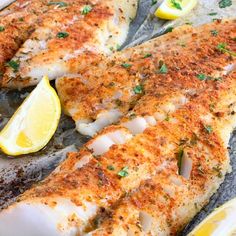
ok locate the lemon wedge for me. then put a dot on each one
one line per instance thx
(173, 9)
(34, 122)
(220, 222)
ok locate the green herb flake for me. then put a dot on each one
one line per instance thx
(154, 2)
(201, 77)
(59, 4)
(132, 116)
(208, 129)
(167, 117)
(222, 47)
(123, 172)
(14, 65)
(126, 65)
(214, 32)
(62, 35)
(110, 167)
(138, 89)
(176, 4)
(21, 19)
(225, 3)
(169, 29)
(147, 55)
(180, 159)
(86, 10)
(162, 68)
(2, 28)
(212, 14)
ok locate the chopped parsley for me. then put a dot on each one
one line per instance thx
(180, 159)
(123, 172)
(138, 89)
(176, 4)
(208, 129)
(214, 32)
(169, 29)
(59, 4)
(86, 10)
(62, 35)
(222, 47)
(2, 28)
(167, 117)
(14, 65)
(147, 55)
(126, 65)
(203, 77)
(21, 19)
(225, 3)
(212, 14)
(132, 116)
(110, 167)
(162, 68)
(154, 2)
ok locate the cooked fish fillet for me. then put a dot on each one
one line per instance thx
(121, 159)
(164, 204)
(102, 94)
(17, 22)
(72, 39)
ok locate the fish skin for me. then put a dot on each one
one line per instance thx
(186, 51)
(19, 21)
(90, 38)
(146, 155)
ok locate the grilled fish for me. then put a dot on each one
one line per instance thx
(71, 39)
(100, 189)
(107, 91)
(17, 23)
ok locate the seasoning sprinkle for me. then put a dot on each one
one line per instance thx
(162, 68)
(126, 65)
(123, 172)
(62, 35)
(176, 4)
(14, 65)
(110, 167)
(138, 89)
(59, 4)
(2, 28)
(208, 129)
(225, 3)
(86, 10)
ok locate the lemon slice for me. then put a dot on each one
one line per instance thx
(220, 222)
(173, 9)
(34, 122)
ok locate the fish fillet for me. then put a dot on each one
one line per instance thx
(114, 169)
(71, 39)
(17, 22)
(105, 92)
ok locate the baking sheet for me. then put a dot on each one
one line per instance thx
(18, 174)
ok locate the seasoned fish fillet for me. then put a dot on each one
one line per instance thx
(70, 40)
(105, 92)
(87, 193)
(17, 22)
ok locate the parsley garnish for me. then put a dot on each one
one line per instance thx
(86, 10)
(222, 47)
(21, 19)
(176, 4)
(218, 170)
(2, 28)
(207, 77)
(180, 159)
(126, 65)
(62, 35)
(154, 2)
(60, 4)
(110, 167)
(212, 14)
(123, 172)
(132, 116)
(14, 65)
(169, 29)
(138, 89)
(147, 55)
(214, 32)
(208, 129)
(225, 3)
(162, 68)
